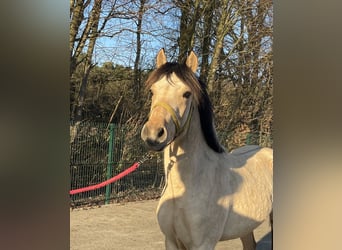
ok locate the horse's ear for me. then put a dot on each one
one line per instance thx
(161, 58)
(192, 61)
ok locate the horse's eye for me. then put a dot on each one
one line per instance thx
(187, 94)
(151, 92)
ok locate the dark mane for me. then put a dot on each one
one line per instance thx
(201, 97)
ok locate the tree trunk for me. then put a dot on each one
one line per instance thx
(95, 17)
(137, 73)
(76, 14)
(222, 29)
(208, 23)
(190, 15)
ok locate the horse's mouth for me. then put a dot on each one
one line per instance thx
(154, 145)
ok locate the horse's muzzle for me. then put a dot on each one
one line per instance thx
(154, 138)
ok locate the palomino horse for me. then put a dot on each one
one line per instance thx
(210, 195)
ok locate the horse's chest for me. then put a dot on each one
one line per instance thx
(179, 218)
(172, 216)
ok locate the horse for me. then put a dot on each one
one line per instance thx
(210, 195)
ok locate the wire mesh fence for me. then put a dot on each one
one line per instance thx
(100, 151)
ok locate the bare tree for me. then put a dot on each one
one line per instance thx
(207, 32)
(85, 28)
(190, 14)
(233, 40)
(225, 24)
(93, 34)
(137, 74)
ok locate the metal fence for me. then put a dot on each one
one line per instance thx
(100, 151)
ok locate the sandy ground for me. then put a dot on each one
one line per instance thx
(133, 225)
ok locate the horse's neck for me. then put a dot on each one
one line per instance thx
(187, 150)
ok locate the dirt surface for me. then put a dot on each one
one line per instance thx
(133, 226)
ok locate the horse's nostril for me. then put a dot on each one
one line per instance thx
(160, 132)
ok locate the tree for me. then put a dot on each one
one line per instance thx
(88, 20)
(225, 23)
(233, 40)
(137, 75)
(209, 7)
(190, 14)
(90, 33)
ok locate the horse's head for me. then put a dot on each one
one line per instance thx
(172, 101)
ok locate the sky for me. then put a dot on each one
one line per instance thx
(121, 48)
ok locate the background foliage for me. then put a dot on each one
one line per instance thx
(113, 45)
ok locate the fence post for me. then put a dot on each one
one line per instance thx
(248, 139)
(110, 160)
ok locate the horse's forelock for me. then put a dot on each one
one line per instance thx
(183, 73)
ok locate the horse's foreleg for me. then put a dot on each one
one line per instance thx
(177, 245)
(248, 242)
(172, 244)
